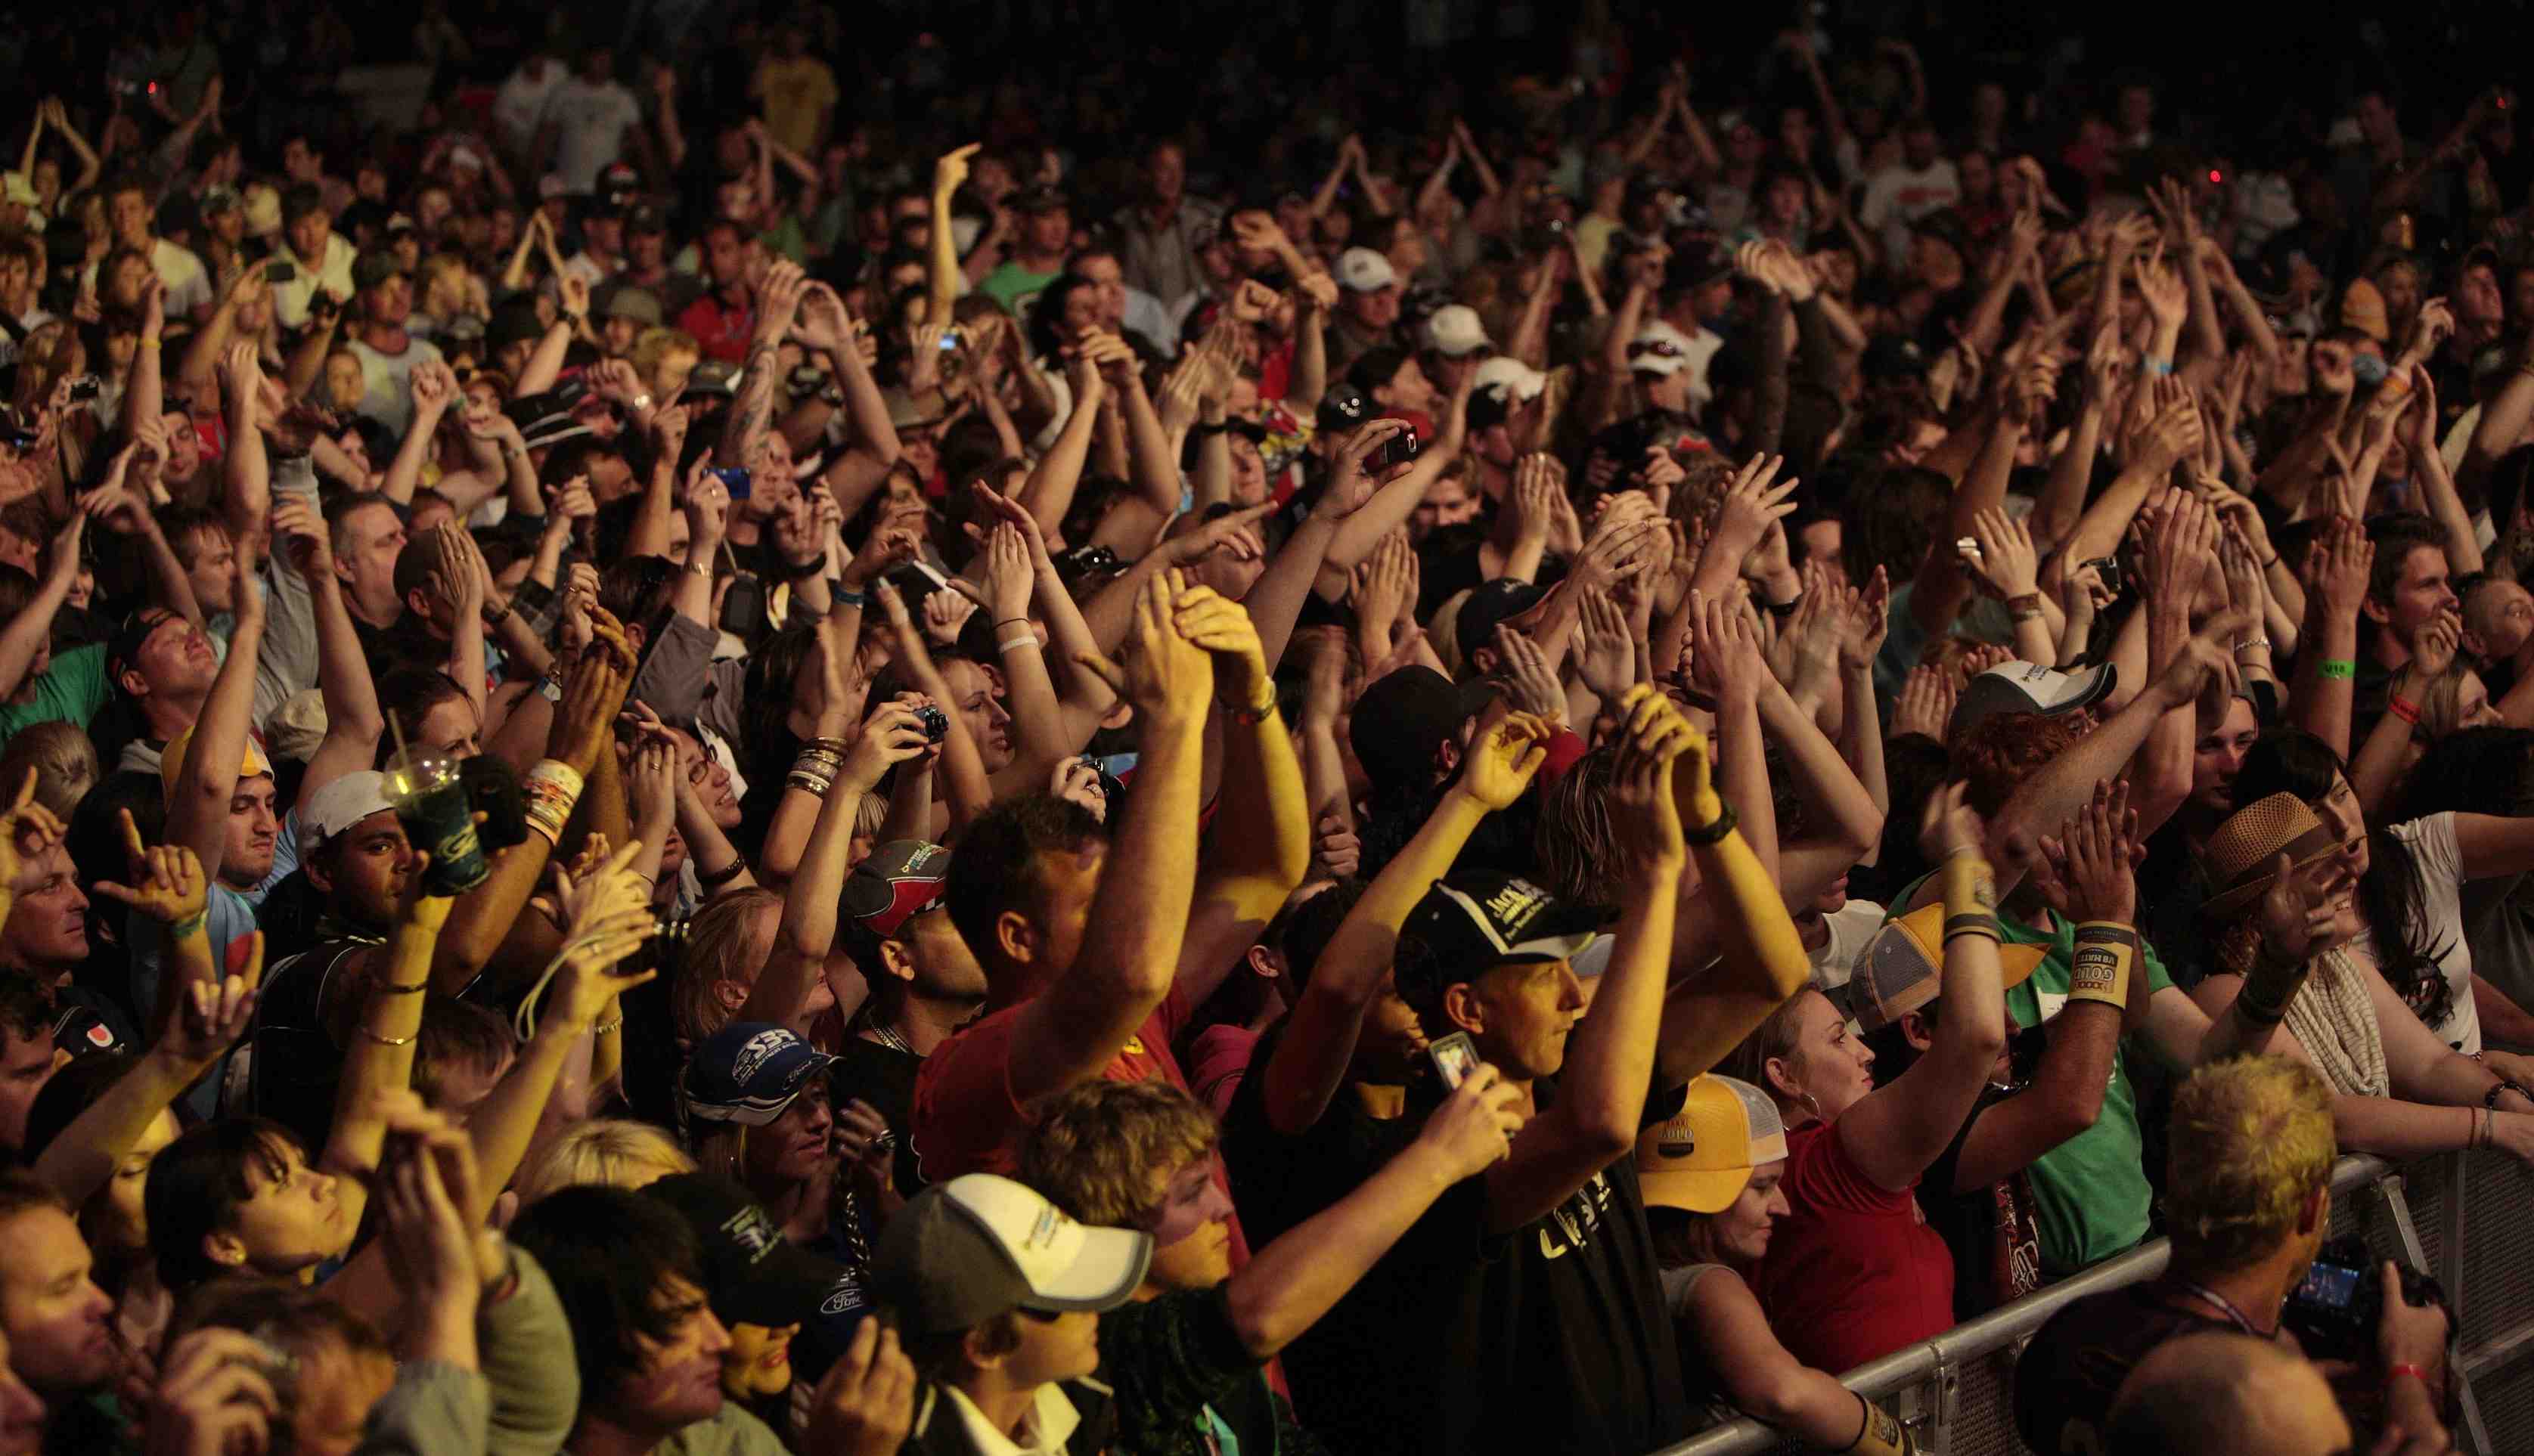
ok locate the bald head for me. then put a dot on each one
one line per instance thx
(2226, 1392)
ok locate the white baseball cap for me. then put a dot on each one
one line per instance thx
(339, 805)
(1520, 380)
(1455, 330)
(1660, 350)
(963, 1252)
(1363, 270)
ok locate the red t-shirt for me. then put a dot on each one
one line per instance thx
(721, 331)
(1854, 1273)
(967, 1120)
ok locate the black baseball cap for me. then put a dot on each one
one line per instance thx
(1401, 719)
(1478, 918)
(1490, 604)
(1343, 407)
(753, 1274)
(901, 879)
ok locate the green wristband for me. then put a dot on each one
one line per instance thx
(2338, 669)
(179, 929)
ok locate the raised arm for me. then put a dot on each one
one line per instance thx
(30, 630)
(778, 303)
(2323, 698)
(1318, 1042)
(1259, 842)
(353, 719)
(198, 807)
(1901, 1127)
(1138, 917)
(1611, 1060)
(1287, 1287)
(944, 275)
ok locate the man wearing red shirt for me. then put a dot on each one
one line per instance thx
(725, 315)
(1097, 942)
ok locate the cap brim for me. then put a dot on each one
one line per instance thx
(1105, 1273)
(1700, 1190)
(1997, 691)
(786, 1287)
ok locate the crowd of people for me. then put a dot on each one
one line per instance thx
(717, 739)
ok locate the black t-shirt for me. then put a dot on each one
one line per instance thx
(1992, 1229)
(2066, 1380)
(1550, 1337)
(884, 1077)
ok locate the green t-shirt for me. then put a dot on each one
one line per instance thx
(2090, 1192)
(1014, 287)
(70, 690)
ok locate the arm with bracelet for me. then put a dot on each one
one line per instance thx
(378, 1062)
(2085, 876)
(1897, 1130)
(583, 728)
(1765, 1380)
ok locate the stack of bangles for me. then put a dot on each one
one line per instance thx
(814, 772)
(547, 796)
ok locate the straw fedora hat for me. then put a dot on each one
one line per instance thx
(2242, 853)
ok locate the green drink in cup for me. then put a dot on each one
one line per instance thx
(430, 798)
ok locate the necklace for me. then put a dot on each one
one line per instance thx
(887, 1036)
(2237, 1317)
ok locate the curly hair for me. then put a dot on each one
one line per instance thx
(2000, 751)
(1104, 1151)
(2251, 1141)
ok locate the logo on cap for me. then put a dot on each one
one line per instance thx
(752, 1056)
(753, 1231)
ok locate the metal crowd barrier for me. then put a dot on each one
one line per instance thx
(1957, 1391)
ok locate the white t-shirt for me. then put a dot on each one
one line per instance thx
(1899, 195)
(2431, 841)
(189, 287)
(1851, 925)
(386, 395)
(520, 104)
(333, 273)
(589, 123)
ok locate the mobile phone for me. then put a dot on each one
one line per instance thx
(281, 271)
(1454, 1058)
(84, 386)
(951, 339)
(1398, 449)
(742, 606)
(735, 478)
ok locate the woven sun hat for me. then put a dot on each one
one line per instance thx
(2242, 853)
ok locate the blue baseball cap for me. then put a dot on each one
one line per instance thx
(747, 1073)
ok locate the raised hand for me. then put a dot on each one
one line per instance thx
(1503, 759)
(1221, 626)
(2087, 870)
(168, 885)
(1528, 675)
(1867, 621)
(1473, 1130)
(1168, 678)
(2297, 914)
(27, 833)
(2008, 565)
(1927, 702)
(866, 1404)
(1752, 504)
(1644, 802)
(1949, 826)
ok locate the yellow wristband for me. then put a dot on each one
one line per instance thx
(2099, 970)
(1969, 887)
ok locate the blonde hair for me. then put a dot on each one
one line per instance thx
(64, 760)
(2251, 1141)
(722, 949)
(610, 1152)
(1101, 1151)
(657, 343)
